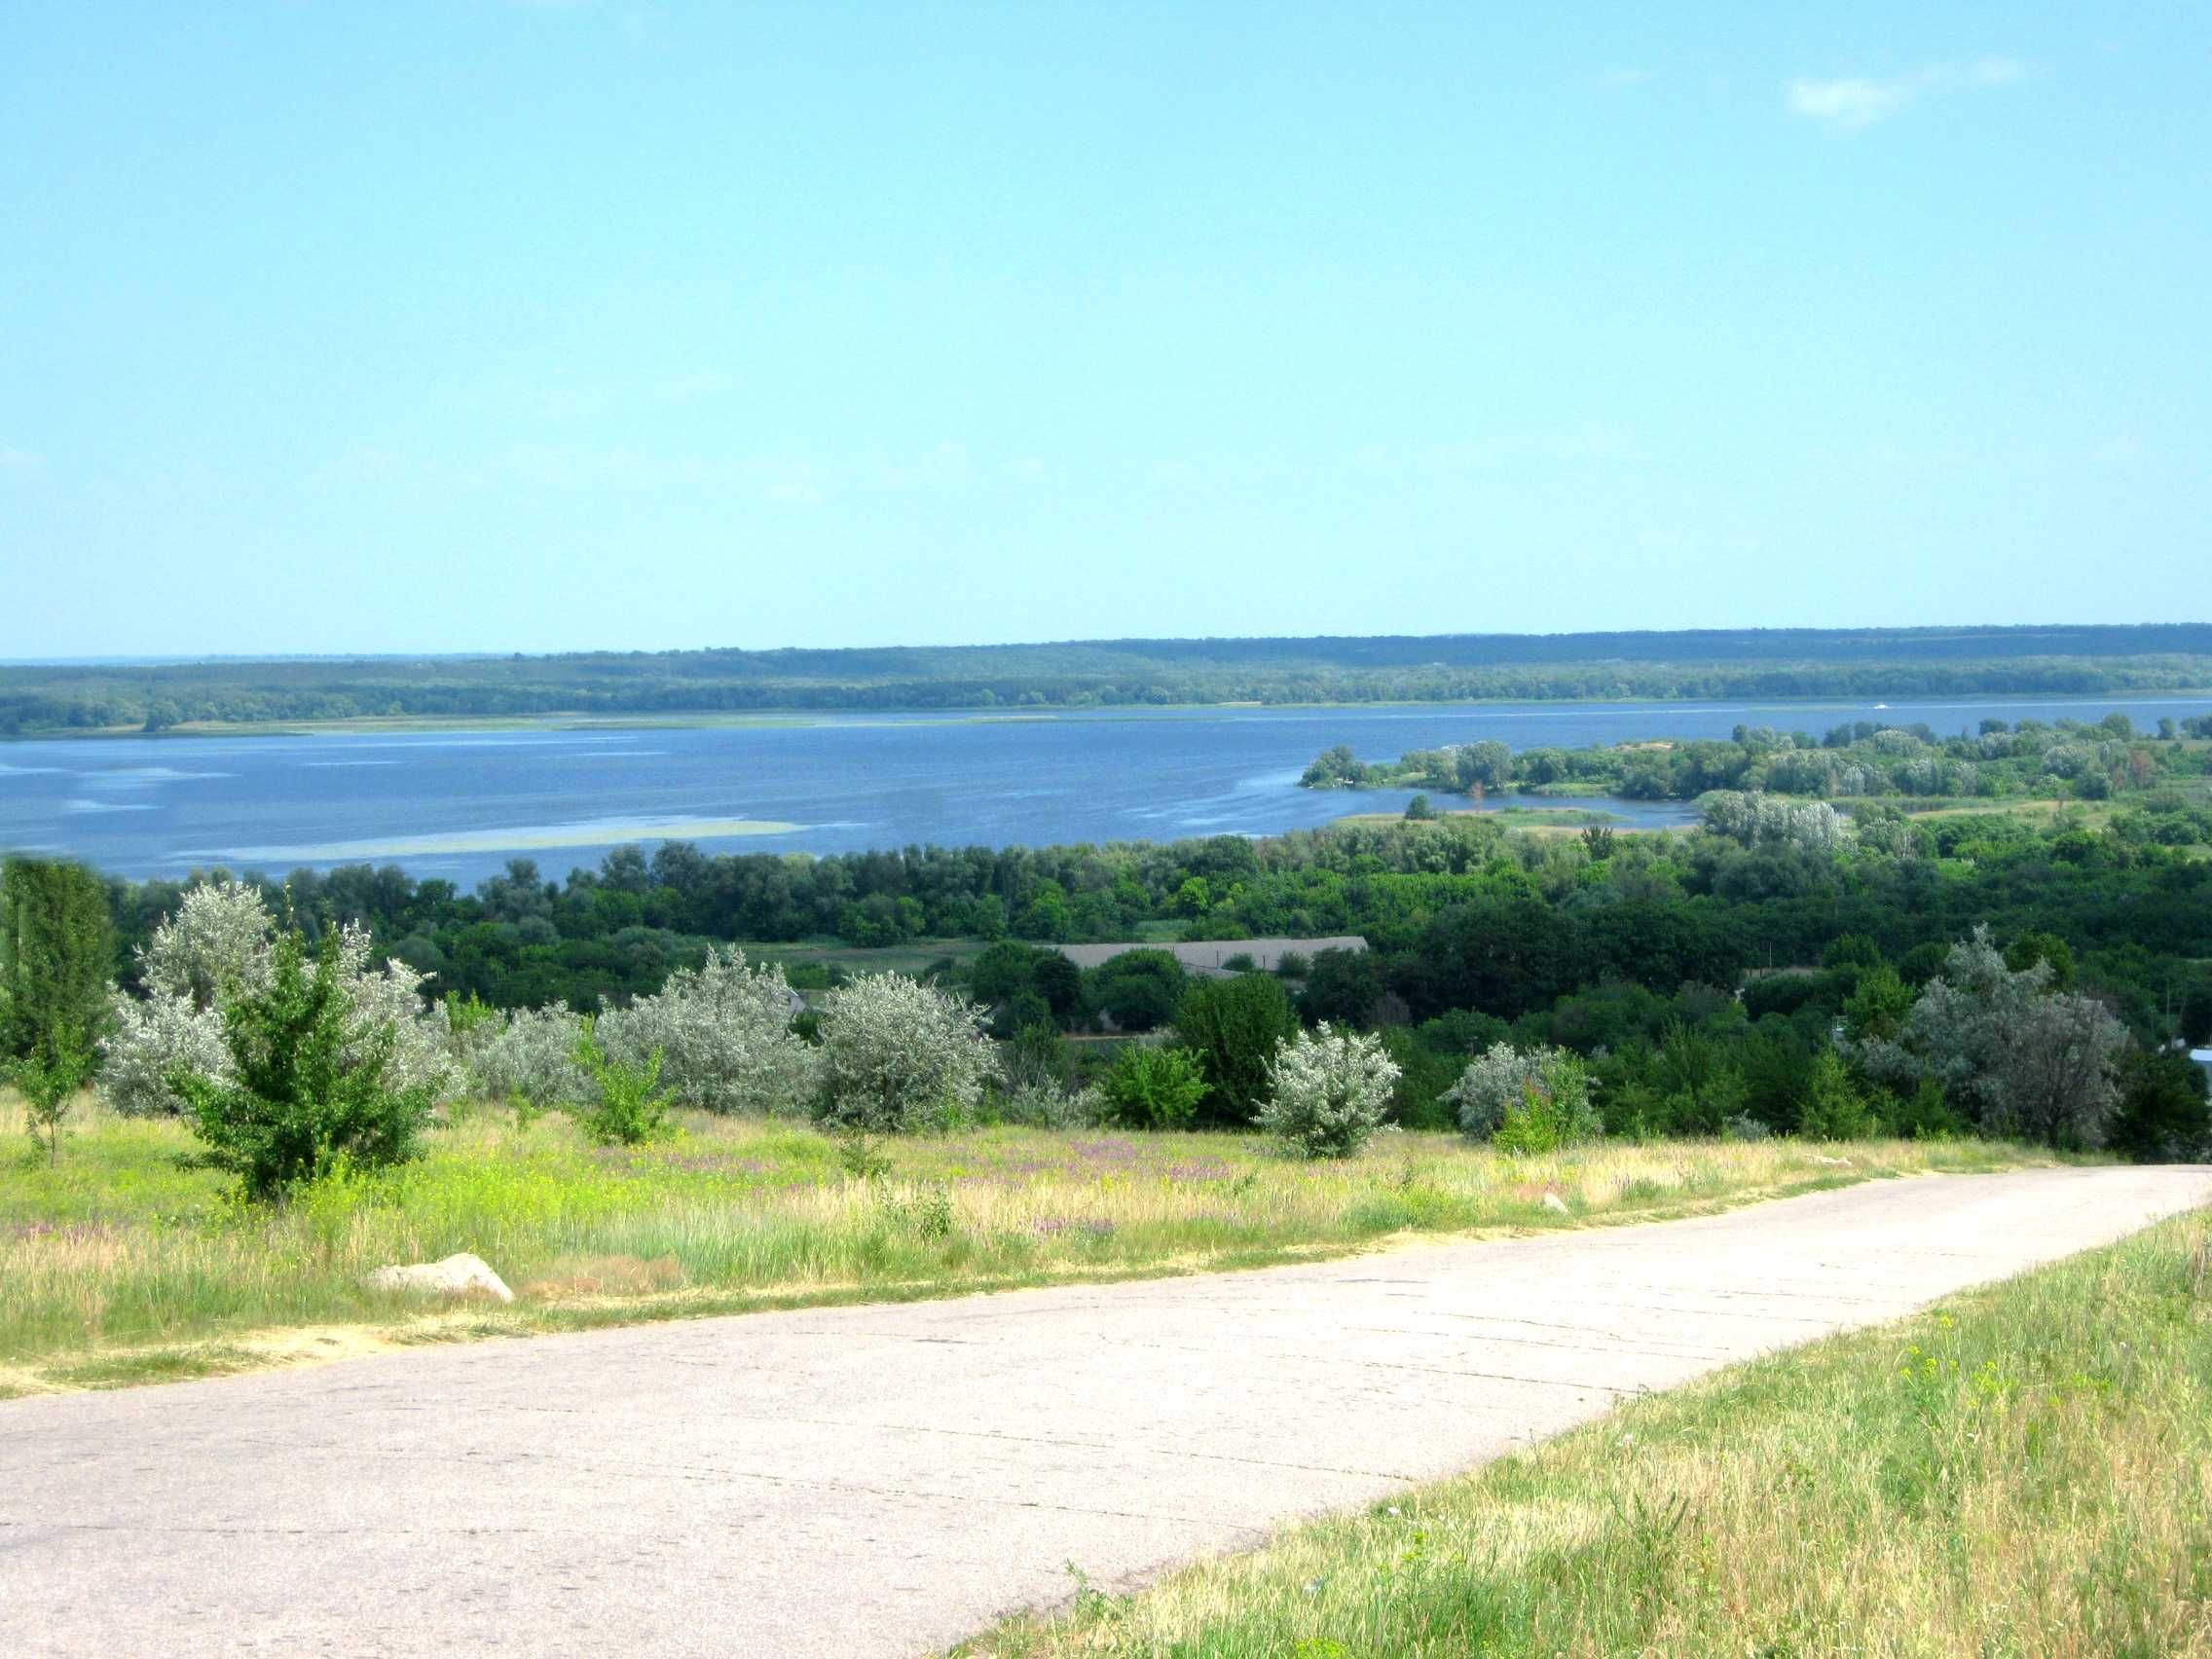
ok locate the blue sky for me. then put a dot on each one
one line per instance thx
(467, 325)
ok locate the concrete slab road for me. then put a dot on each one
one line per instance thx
(885, 1480)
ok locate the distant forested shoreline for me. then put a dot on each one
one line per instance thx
(60, 699)
(2067, 759)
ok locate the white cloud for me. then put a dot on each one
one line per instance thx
(1851, 103)
(13, 460)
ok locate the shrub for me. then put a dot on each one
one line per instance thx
(217, 939)
(56, 947)
(153, 1042)
(1139, 990)
(310, 1087)
(1327, 1092)
(533, 1057)
(388, 1000)
(724, 1034)
(2015, 1057)
(1833, 1108)
(630, 1106)
(1423, 1076)
(1155, 1088)
(1043, 1104)
(901, 1056)
(1532, 1124)
(1234, 1026)
(216, 950)
(49, 1079)
(1549, 1086)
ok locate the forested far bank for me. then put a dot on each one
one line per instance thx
(2060, 759)
(1782, 663)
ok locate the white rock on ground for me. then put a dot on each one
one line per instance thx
(455, 1276)
(1553, 1202)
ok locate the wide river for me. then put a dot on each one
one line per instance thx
(459, 804)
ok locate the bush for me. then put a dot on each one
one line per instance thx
(388, 999)
(1548, 1087)
(217, 939)
(216, 950)
(1327, 1092)
(1343, 987)
(533, 1057)
(724, 1034)
(309, 1089)
(2016, 1056)
(48, 1080)
(1534, 1123)
(1417, 1100)
(2162, 1116)
(1139, 990)
(1234, 1026)
(630, 1105)
(901, 1056)
(153, 1042)
(56, 948)
(1155, 1088)
(1833, 1108)
(1041, 1104)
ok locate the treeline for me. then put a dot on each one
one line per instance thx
(39, 699)
(1862, 760)
(1461, 913)
(1700, 981)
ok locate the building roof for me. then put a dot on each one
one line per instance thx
(1208, 955)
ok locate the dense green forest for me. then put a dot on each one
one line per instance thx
(1704, 974)
(48, 698)
(2065, 760)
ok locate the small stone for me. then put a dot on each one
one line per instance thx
(1822, 1158)
(455, 1276)
(1553, 1202)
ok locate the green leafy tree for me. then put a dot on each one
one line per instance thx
(308, 1088)
(2162, 1116)
(1139, 990)
(1833, 1108)
(1879, 1006)
(57, 950)
(1155, 1088)
(1344, 988)
(50, 1079)
(1234, 1027)
(629, 1106)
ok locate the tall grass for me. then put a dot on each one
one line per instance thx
(126, 1244)
(2024, 1470)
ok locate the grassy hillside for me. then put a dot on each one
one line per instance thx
(2022, 1469)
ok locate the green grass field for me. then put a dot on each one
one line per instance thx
(2025, 1469)
(127, 1262)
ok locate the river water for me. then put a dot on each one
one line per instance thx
(459, 804)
